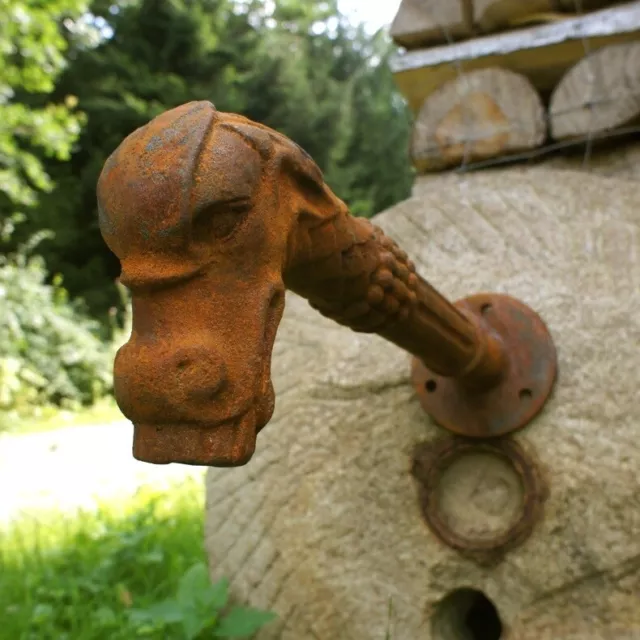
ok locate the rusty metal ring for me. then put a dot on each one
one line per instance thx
(431, 460)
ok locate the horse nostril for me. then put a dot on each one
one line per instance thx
(199, 371)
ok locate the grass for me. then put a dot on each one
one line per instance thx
(50, 418)
(128, 570)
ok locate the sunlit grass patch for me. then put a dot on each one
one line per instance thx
(123, 571)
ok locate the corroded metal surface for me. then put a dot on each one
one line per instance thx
(430, 462)
(518, 396)
(212, 216)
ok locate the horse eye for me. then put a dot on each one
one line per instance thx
(218, 221)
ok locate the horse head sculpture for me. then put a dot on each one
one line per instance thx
(212, 216)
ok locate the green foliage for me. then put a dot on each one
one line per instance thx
(32, 54)
(132, 569)
(51, 352)
(294, 65)
(196, 609)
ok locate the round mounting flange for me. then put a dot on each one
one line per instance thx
(527, 382)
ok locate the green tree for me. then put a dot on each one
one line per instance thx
(32, 48)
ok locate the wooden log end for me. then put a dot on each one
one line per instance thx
(543, 53)
(479, 115)
(598, 94)
(421, 23)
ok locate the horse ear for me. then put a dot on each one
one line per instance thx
(315, 200)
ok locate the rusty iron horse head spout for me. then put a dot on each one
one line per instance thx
(203, 210)
(212, 216)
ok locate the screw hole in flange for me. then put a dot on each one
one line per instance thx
(430, 385)
(466, 614)
(525, 394)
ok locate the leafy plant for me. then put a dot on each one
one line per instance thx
(197, 606)
(82, 577)
(51, 353)
(32, 54)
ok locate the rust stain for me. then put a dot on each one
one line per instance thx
(429, 462)
(212, 216)
(518, 393)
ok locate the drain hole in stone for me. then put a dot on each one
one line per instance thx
(430, 386)
(466, 614)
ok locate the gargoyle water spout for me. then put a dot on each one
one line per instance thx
(212, 216)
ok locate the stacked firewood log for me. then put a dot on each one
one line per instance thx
(490, 80)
